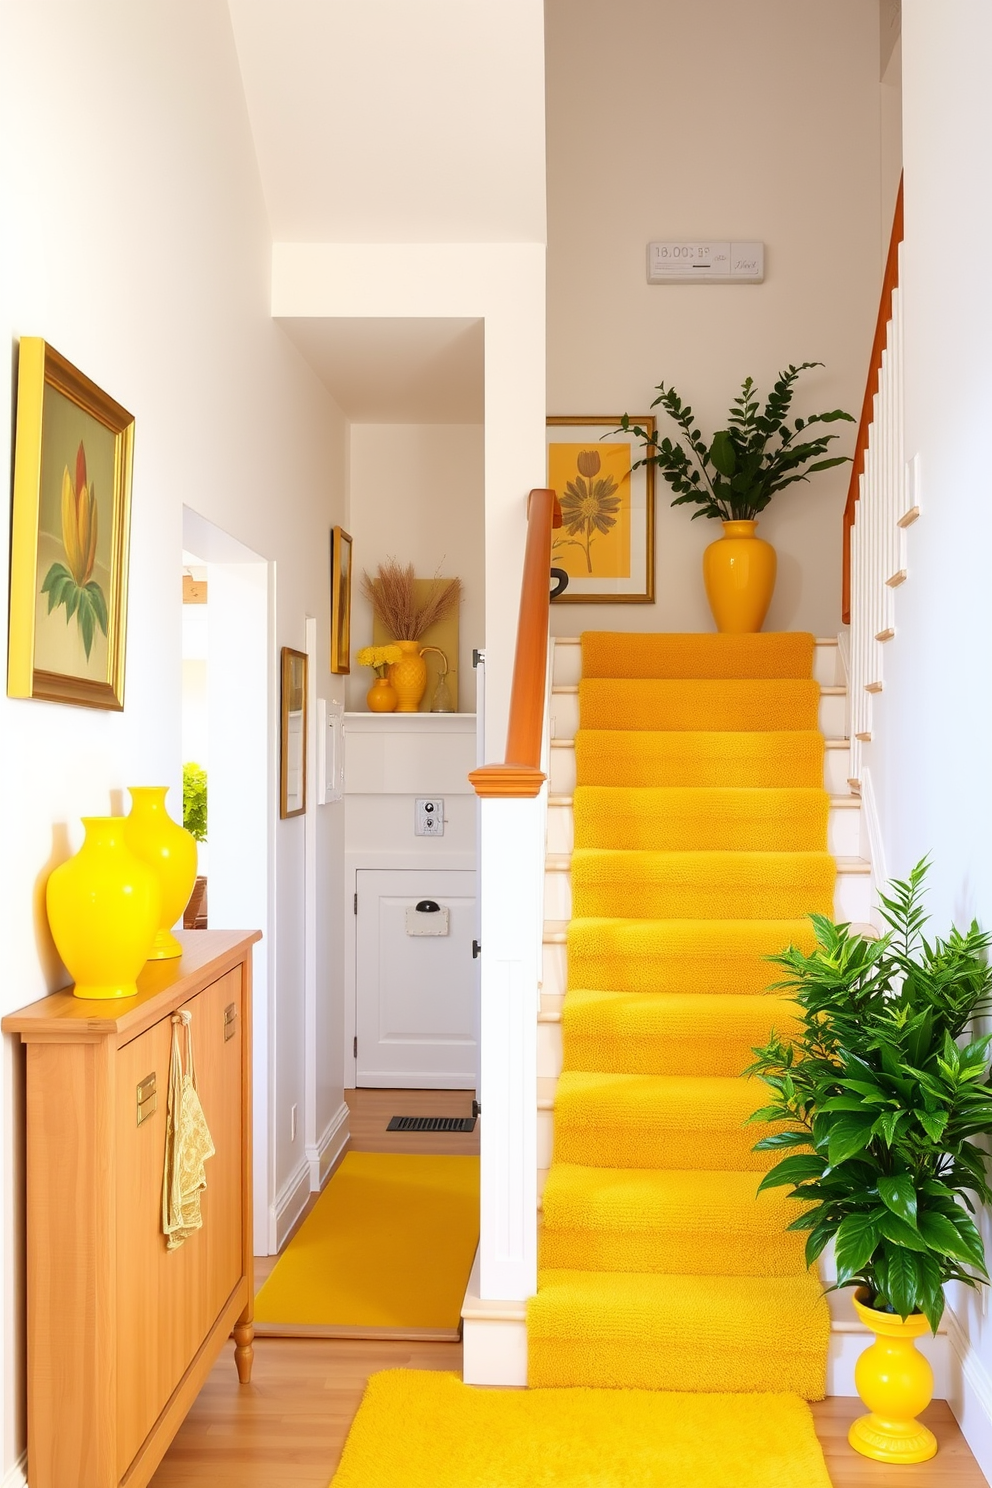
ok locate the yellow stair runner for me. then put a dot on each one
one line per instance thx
(700, 847)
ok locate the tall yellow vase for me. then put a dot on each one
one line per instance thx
(409, 677)
(739, 574)
(170, 852)
(103, 909)
(895, 1382)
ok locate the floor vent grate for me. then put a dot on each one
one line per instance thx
(432, 1123)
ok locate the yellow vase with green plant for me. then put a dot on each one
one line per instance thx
(733, 478)
(885, 1106)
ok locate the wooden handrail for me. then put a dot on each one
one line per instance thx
(521, 775)
(890, 281)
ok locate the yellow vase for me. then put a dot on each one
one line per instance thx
(739, 574)
(895, 1382)
(409, 677)
(381, 696)
(170, 852)
(103, 909)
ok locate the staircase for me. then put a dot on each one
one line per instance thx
(578, 1213)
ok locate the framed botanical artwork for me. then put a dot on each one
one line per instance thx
(340, 600)
(293, 734)
(69, 536)
(606, 541)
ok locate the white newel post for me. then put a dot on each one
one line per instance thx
(512, 922)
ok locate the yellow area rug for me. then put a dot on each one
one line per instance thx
(385, 1253)
(417, 1429)
(700, 822)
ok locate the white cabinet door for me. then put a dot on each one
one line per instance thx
(416, 1017)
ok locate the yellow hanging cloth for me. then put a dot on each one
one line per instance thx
(188, 1143)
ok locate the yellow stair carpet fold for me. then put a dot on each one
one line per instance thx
(419, 1429)
(700, 822)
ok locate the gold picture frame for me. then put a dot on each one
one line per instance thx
(606, 541)
(340, 601)
(70, 532)
(293, 733)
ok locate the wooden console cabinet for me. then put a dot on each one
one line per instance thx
(121, 1332)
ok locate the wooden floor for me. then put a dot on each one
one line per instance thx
(286, 1429)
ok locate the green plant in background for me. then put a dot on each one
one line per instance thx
(195, 801)
(885, 1094)
(736, 476)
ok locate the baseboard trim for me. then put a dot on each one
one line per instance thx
(16, 1475)
(322, 1156)
(289, 1204)
(970, 1394)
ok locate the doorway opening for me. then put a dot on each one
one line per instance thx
(227, 718)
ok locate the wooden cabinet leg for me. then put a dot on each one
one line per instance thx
(244, 1352)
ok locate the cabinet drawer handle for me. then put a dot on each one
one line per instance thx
(147, 1098)
(230, 1020)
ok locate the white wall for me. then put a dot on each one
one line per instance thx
(134, 238)
(929, 761)
(761, 121)
(501, 284)
(416, 495)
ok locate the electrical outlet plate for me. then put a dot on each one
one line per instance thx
(429, 817)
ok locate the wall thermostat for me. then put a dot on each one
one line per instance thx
(429, 818)
(706, 261)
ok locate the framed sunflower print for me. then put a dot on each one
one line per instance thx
(606, 541)
(69, 537)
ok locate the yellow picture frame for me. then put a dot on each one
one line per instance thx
(70, 535)
(606, 544)
(340, 601)
(292, 733)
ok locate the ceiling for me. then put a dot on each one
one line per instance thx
(379, 121)
(388, 371)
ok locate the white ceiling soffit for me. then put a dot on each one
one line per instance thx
(386, 121)
(410, 371)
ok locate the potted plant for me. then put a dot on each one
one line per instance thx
(195, 822)
(733, 479)
(884, 1094)
(381, 696)
(406, 617)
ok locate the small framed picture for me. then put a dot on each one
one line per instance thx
(69, 537)
(606, 541)
(340, 601)
(293, 734)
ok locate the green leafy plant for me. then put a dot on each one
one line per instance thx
(736, 476)
(195, 801)
(885, 1094)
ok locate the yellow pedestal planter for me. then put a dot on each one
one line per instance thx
(895, 1381)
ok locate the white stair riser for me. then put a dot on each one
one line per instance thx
(549, 1054)
(843, 830)
(852, 897)
(496, 1354)
(545, 1138)
(827, 668)
(565, 715)
(836, 769)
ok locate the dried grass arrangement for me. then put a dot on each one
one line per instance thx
(392, 597)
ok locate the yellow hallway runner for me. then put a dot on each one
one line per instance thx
(385, 1253)
(417, 1429)
(700, 848)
